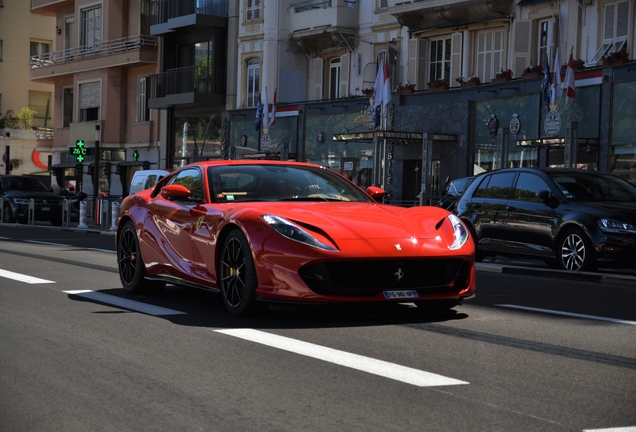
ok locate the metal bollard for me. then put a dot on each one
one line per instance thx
(31, 212)
(82, 215)
(114, 215)
(103, 212)
(66, 213)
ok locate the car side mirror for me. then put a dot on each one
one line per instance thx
(175, 192)
(376, 193)
(547, 198)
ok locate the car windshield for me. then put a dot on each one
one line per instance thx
(23, 184)
(594, 187)
(280, 183)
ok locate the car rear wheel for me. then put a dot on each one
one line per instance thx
(132, 272)
(575, 252)
(237, 275)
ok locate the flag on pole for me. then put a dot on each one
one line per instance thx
(386, 87)
(378, 86)
(382, 90)
(570, 83)
(547, 80)
(259, 114)
(266, 110)
(272, 119)
(557, 84)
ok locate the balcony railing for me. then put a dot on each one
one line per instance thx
(309, 5)
(81, 52)
(163, 10)
(188, 80)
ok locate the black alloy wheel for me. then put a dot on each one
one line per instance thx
(237, 275)
(6, 213)
(575, 251)
(132, 272)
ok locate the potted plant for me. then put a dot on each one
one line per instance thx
(437, 85)
(532, 72)
(404, 89)
(577, 65)
(614, 58)
(368, 92)
(502, 76)
(473, 81)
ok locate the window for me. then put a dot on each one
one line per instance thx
(529, 186)
(91, 28)
(489, 55)
(1, 43)
(89, 101)
(39, 49)
(143, 112)
(334, 78)
(41, 103)
(67, 101)
(190, 178)
(253, 82)
(615, 29)
(253, 10)
(543, 44)
(439, 66)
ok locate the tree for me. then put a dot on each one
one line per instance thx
(26, 117)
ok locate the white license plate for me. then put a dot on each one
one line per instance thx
(46, 208)
(400, 294)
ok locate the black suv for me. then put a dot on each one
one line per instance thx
(572, 218)
(16, 191)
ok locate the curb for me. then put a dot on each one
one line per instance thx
(89, 230)
(616, 279)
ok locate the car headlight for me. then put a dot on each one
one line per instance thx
(611, 225)
(459, 231)
(294, 232)
(21, 201)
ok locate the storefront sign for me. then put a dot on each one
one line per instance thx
(515, 125)
(266, 142)
(552, 123)
(493, 125)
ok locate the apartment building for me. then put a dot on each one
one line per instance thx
(320, 57)
(100, 62)
(26, 148)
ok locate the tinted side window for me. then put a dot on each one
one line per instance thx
(190, 178)
(529, 186)
(500, 185)
(480, 192)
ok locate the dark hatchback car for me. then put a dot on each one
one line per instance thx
(453, 190)
(16, 191)
(572, 218)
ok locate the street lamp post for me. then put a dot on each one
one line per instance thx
(98, 136)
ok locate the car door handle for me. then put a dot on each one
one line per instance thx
(511, 208)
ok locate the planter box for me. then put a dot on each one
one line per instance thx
(470, 84)
(500, 79)
(405, 91)
(619, 61)
(440, 88)
(528, 75)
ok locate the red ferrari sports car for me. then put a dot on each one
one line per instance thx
(275, 231)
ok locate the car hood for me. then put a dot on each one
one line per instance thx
(362, 220)
(624, 211)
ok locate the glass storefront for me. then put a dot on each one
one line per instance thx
(352, 159)
(247, 140)
(623, 151)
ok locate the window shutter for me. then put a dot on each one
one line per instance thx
(622, 19)
(522, 35)
(89, 95)
(608, 22)
(456, 57)
(417, 63)
(345, 62)
(497, 51)
(318, 69)
(257, 9)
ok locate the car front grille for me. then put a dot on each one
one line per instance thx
(368, 278)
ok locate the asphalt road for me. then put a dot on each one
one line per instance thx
(527, 354)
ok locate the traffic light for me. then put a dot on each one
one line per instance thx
(91, 170)
(107, 170)
(145, 165)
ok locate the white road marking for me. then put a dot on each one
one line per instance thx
(5, 238)
(618, 429)
(373, 366)
(46, 243)
(598, 318)
(102, 250)
(125, 303)
(23, 278)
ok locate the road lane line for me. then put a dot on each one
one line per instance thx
(616, 429)
(598, 318)
(366, 364)
(125, 303)
(101, 250)
(23, 278)
(46, 243)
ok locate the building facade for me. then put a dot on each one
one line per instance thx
(26, 147)
(100, 64)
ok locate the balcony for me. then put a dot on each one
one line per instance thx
(128, 51)
(187, 16)
(317, 25)
(430, 14)
(49, 7)
(188, 88)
